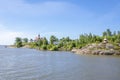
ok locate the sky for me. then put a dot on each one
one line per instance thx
(62, 18)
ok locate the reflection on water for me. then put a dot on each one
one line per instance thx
(28, 64)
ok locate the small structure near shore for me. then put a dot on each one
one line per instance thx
(105, 41)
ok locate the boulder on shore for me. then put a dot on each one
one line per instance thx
(97, 49)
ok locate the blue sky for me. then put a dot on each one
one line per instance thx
(27, 18)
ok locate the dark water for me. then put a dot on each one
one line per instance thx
(28, 64)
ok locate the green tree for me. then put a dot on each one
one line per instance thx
(18, 42)
(25, 40)
(109, 33)
(45, 41)
(40, 42)
(118, 32)
(104, 34)
(53, 39)
(114, 33)
(67, 39)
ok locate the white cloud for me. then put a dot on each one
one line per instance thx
(8, 36)
(21, 7)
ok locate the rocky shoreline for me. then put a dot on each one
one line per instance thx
(98, 49)
(92, 49)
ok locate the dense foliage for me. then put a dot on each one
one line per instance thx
(67, 44)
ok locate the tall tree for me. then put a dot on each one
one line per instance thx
(104, 34)
(109, 33)
(18, 42)
(53, 39)
(25, 40)
(45, 41)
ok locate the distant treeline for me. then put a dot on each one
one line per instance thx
(66, 43)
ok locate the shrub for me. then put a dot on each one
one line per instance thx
(44, 47)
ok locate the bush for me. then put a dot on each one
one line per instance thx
(52, 48)
(19, 44)
(49, 47)
(44, 47)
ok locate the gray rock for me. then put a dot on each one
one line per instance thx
(109, 46)
(97, 49)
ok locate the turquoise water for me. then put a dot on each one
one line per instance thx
(30, 64)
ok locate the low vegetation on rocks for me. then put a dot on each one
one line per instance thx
(98, 49)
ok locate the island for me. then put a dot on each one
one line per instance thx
(91, 44)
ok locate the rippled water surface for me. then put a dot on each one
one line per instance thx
(29, 64)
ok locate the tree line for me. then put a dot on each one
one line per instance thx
(68, 44)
